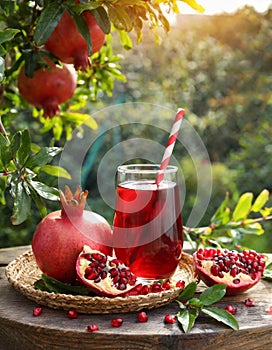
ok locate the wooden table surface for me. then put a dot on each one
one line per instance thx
(19, 329)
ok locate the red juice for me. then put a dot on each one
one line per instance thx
(147, 230)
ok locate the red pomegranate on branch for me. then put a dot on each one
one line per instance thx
(49, 87)
(69, 46)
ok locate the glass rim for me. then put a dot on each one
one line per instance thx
(146, 169)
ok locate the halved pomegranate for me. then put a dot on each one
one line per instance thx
(239, 271)
(103, 274)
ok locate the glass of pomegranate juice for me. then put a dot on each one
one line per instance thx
(147, 224)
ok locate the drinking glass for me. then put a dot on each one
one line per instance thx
(147, 224)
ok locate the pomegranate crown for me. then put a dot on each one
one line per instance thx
(73, 204)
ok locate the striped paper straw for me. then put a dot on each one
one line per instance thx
(170, 144)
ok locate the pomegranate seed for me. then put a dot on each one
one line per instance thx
(116, 322)
(72, 314)
(269, 310)
(145, 289)
(231, 309)
(37, 311)
(169, 319)
(215, 270)
(249, 302)
(92, 328)
(156, 287)
(142, 317)
(180, 284)
(166, 285)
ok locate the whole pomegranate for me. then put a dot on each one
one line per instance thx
(69, 46)
(61, 236)
(239, 271)
(104, 274)
(49, 87)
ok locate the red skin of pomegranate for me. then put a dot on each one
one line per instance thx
(69, 46)
(49, 87)
(61, 236)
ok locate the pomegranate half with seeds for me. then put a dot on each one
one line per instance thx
(239, 271)
(103, 274)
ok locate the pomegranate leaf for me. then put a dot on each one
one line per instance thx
(212, 294)
(48, 21)
(186, 318)
(268, 272)
(102, 19)
(188, 292)
(83, 29)
(243, 207)
(50, 284)
(56, 170)
(22, 202)
(260, 201)
(25, 147)
(222, 316)
(44, 156)
(222, 214)
(45, 191)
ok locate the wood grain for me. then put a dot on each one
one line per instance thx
(19, 329)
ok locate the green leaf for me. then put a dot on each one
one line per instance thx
(8, 34)
(222, 214)
(57, 171)
(44, 156)
(188, 292)
(38, 201)
(251, 229)
(260, 201)
(212, 294)
(267, 274)
(186, 318)
(49, 19)
(25, 147)
(45, 191)
(196, 302)
(222, 316)
(125, 39)
(83, 28)
(102, 19)
(50, 284)
(243, 207)
(2, 65)
(10, 152)
(21, 205)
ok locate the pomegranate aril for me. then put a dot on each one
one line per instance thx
(142, 317)
(231, 309)
(92, 328)
(180, 284)
(233, 272)
(98, 257)
(72, 314)
(215, 270)
(169, 319)
(116, 322)
(145, 289)
(156, 287)
(166, 285)
(37, 311)
(236, 281)
(249, 302)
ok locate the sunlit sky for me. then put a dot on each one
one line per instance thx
(220, 6)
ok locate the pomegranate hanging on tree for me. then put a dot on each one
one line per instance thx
(69, 46)
(49, 87)
(61, 236)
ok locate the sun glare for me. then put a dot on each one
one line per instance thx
(229, 6)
